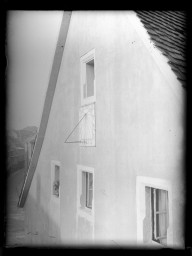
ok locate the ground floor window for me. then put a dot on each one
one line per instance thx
(154, 211)
(85, 203)
(157, 213)
(86, 193)
(55, 179)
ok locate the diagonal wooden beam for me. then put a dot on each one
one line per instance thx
(47, 106)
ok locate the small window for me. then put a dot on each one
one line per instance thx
(87, 190)
(85, 202)
(159, 207)
(88, 92)
(56, 181)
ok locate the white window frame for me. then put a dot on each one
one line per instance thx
(141, 183)
(53, 164)
(88, 189)
(83, 60)
(84, 212)
(155, 212)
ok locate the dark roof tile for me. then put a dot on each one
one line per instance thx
(167, 31)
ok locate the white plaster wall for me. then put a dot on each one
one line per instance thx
(139, 128)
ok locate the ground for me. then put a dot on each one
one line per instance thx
(15, 235)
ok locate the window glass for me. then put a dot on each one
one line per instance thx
(89, 79)
(89, 179)
(159, 203)
(87, 190)
(56, 182)
(88, 91)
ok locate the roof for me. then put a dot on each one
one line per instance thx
(167, 29)
(31, 138)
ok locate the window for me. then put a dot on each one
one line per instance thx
(55, 179)
(88, 188)
(88, 92)
(154, 211)
(85, 188)
(159, 215)
(85, 203)
(88, 89)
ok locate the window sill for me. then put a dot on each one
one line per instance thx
(55, 199)
(155, 244)
(86, 213)
(88, 101)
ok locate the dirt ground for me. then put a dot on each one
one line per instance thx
(15, 235)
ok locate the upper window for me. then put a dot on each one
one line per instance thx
(88, 91)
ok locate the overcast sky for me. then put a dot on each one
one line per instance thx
(31, 38)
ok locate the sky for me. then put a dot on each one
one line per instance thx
(31, 42)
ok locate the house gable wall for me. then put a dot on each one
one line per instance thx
(139, 130)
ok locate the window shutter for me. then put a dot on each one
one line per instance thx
(87, 125)
(147, 227)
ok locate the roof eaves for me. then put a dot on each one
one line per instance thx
(167, 31)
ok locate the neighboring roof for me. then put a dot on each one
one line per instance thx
(31, 138)
(47, 106)
(167, 29)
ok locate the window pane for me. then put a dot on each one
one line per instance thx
(90, 198)
(56, 173)
(162, 198)
(90, 78)
(56, 182)
(162, 224)
(89, 192)
(157, 199)
(163, 213)
(90, 181)
(157, 225)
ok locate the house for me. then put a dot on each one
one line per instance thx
(29, 147)
(107, 167)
